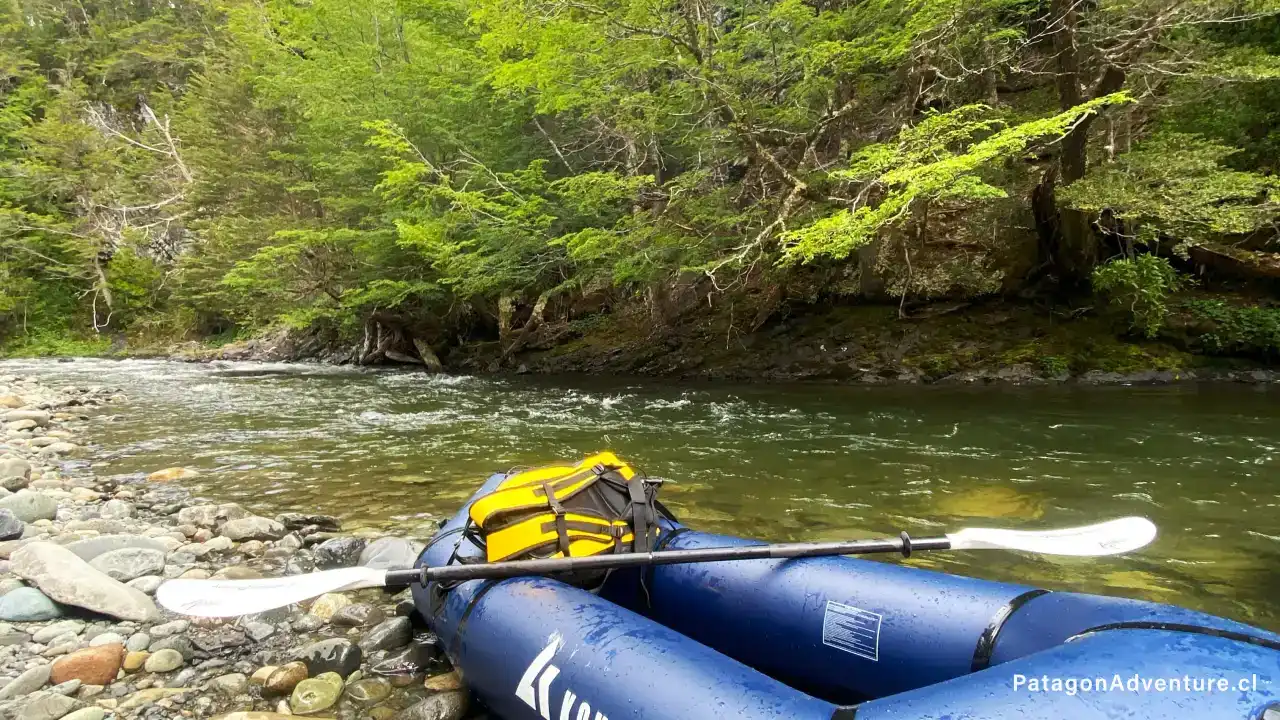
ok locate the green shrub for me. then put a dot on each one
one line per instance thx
(1237, 330)
(1142, 285)
(56, 344)
(1054, 365)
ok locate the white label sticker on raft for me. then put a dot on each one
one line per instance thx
(853, 630)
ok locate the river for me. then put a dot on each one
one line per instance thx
(397, 451)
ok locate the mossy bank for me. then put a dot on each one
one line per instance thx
(1204, 337)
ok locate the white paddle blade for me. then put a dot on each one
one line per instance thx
(1109, 538)
(231, 598)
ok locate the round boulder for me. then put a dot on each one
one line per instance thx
(129, 563)
(253, 528)
(27, 604)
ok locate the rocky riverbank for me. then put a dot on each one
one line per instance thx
(81, 637)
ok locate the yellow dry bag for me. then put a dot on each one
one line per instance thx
(597, 506)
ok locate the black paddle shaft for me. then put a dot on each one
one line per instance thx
(490, 571)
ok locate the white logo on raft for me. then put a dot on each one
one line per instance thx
(534, 688)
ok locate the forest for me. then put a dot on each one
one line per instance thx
(398, 180)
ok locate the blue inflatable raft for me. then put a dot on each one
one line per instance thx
(834, 639)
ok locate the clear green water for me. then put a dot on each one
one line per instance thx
(397, 451)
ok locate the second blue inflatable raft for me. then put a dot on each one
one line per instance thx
(833, 638)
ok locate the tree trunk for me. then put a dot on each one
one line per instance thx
(532, 324)
(870, 284)
(506, 308)
(429, 357)
(658, 298)
(367, 346)
(1068, 234)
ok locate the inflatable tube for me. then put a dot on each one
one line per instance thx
(767, 640)
(1115, 674)
(851, 629)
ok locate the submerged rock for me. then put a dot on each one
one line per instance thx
(171, 474)
(327, 605)
(369, 691)
(337, 655)
(300, 521)
(388, 635)
(316, 694)
(253, 528)
(282, 680)
(255, 715)
(338, 552)
(444, 683)
(58, 448)
(210, 516)
(64, 577)
(420, 654)
(442, 706)
(390, 553)
(357, 615)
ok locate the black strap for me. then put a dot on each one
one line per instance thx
(456, 646)
(641, 514)
(562, 527)
(987, 640)
(618, 532)
(595, 528)
(1181, 628)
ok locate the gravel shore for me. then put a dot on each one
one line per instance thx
(81, 637)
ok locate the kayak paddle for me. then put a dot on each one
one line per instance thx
(229, 598)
